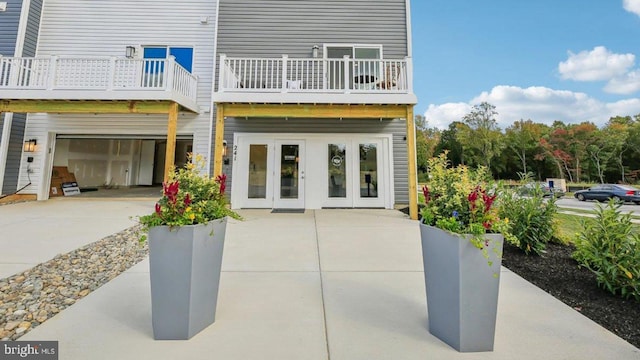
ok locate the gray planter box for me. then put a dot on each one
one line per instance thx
(185, 267)
(462, 289)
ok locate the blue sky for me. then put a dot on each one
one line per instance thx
(544, 60)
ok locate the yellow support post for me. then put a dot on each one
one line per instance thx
(413, 168)
(172, 129)
(219, 139)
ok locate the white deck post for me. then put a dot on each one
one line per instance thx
(409, 74)
(112, 73)
(347, 87)
(170, 73)
(53, 62)
(222, 73)
(284, 73)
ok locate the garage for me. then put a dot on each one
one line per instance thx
(112, 162)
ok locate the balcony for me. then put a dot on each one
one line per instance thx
(329, 81)
(97, 78)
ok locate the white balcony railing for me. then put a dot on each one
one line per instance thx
(344, 75)
(96, 73)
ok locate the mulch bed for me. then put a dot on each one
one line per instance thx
(558, 274)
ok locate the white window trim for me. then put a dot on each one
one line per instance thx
(353, 47)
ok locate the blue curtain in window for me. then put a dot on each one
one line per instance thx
(154, 53)
(184, 57)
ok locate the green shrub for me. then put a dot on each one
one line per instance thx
(608, 247)
(532, 220)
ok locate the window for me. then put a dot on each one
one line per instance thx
(183, 55)
(364, 70)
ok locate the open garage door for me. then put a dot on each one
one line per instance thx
(116, 160)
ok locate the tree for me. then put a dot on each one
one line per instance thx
(481, 136)
(426, 141)
(522, 139)
(553, 147)
(449, 141)
(619, 133)
(579, 138)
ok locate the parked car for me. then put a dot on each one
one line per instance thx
(604, 192)
(542, 187)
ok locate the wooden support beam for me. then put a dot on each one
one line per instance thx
(219, 138)
(172, 129)
(86, 106)
(413, 168)
(336, 111)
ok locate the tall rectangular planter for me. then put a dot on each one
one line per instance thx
(462, 289)
(184, 264)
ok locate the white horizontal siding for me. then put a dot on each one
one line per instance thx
(40, 125)
(105, 28)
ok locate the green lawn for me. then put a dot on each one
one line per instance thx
(569, 226)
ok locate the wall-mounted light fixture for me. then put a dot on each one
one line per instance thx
(225, 158)
(315, 51)
(30, 145)
(130, 52)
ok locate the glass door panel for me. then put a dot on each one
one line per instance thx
(257, 185)
(289, 179)
(368, 170)
(289, 159)
(337, 171)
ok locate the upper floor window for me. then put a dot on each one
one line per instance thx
(364, 70)
(183, 55)
(336, 51)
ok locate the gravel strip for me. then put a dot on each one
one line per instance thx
(32, 297)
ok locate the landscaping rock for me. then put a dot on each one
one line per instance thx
(32, 297)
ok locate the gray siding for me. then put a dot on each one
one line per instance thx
(396, 127)
(33, 28)
(272, 28)
(9, 21)
(14, 154)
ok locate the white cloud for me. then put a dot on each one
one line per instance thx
(540, 104)
(440, 116)
(594, 65)
(632, 6)
(627, 84)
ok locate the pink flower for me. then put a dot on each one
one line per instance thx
(488, 201)
(222, 180)
(171, 191)
(187, 200)
(158, 209)
(425, 192)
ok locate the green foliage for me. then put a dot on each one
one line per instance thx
(532, 218)
(608, 247)
(460, 200)
(480, 137)
(189, 197)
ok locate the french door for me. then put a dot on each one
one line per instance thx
(312, 171)
(271, 173)
(355, 176)
(289, 174)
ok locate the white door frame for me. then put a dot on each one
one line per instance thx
(316, 187)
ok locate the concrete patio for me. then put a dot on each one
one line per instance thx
(326, 284)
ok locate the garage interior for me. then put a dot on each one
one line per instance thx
(113, 166)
